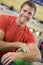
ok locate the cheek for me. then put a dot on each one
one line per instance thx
(22, 13)
(30, 17)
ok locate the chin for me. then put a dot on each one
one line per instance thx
(23, 21)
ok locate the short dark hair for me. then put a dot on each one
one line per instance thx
(31, 4)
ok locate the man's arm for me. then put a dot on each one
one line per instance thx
(2, 35)
(7, 46)
(34, 53)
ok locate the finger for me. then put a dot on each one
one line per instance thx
(11, 60)
(26, 49)
(5, 61)
(31, 47)
(5, 57)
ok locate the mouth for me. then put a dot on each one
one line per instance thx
(24, 18)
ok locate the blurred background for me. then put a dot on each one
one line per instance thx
(12, 7)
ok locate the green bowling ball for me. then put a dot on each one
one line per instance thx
(22, 61)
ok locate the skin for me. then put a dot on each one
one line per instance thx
(26, 14)
(31, 52)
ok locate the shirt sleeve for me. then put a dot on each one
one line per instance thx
(30, 37)
(3, 22)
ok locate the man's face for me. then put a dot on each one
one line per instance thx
(26, 13)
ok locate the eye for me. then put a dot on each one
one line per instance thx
(29, 13)
(24, 10)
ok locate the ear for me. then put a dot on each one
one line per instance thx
(32, 17)
(19, 10)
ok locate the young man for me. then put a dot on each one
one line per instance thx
(15, 34)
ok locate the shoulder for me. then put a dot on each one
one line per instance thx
(7, 17)
(11, 17)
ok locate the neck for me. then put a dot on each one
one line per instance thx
(19, 23)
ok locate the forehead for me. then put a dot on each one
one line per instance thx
(28, 8)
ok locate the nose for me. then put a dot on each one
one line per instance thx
(26, 14)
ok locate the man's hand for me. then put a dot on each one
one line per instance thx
(10, 57)
(24, 47)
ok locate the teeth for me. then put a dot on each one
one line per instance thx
(24, 17)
